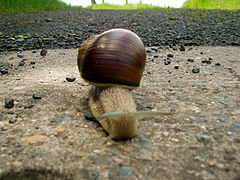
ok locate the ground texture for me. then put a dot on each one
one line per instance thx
(47, 131)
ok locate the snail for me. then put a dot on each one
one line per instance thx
(113, 63)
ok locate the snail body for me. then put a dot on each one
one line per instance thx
(104, 100)
(113, 63)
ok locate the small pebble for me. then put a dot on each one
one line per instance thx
(217, 136)
(206, 61)
(175, 140)
(95, 124)
(88, 116)
(94, 176)
(120, 173)
(28, 106)
(20, 55)
(97, 151)
(220, 165)
(226, 102)
(230, 150)
(212, 170)
(21, 63)
(165, 133)
(176, 66)
(222, 117)
(167, 62)
(43, 52)
(196, 70)
(35, 138)
(147, 143)
(12, 121)
(9, 103)
(229, 157)
(61, 130)
(212, 128)
(198, 158)
(237, 139)
(235, 112)
(70, 79)
(144, 105)
(205, 139)
(37, 96)
(60, 120)
(190, 60)
(154, 49)
(3, 71)
(198, 118)
(182, 48)
(196, 109)
(48, 20)
(234, 127)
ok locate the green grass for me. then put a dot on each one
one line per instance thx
(212, 4)
(126, 6)
(13, 6)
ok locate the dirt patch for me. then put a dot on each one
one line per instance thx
(48, 137)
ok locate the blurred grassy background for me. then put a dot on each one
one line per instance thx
(212, 4)
(13, 6)
(126, 6)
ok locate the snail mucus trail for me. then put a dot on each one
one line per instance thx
(113, 63)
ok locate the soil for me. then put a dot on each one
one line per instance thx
(48, 134)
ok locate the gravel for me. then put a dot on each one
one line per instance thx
(147, 143)
(205, 139)
(3, 71)
(196, 70)
(43, 52)
(120, 173)
(9, 103)
(60, 120)
(70, 79)
(198, 118)
(37, 96)
(68, 29)
(28, 106)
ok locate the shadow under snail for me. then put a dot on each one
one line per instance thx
(113, 63)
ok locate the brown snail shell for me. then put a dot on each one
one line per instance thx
(115, 57)
(113, 62)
